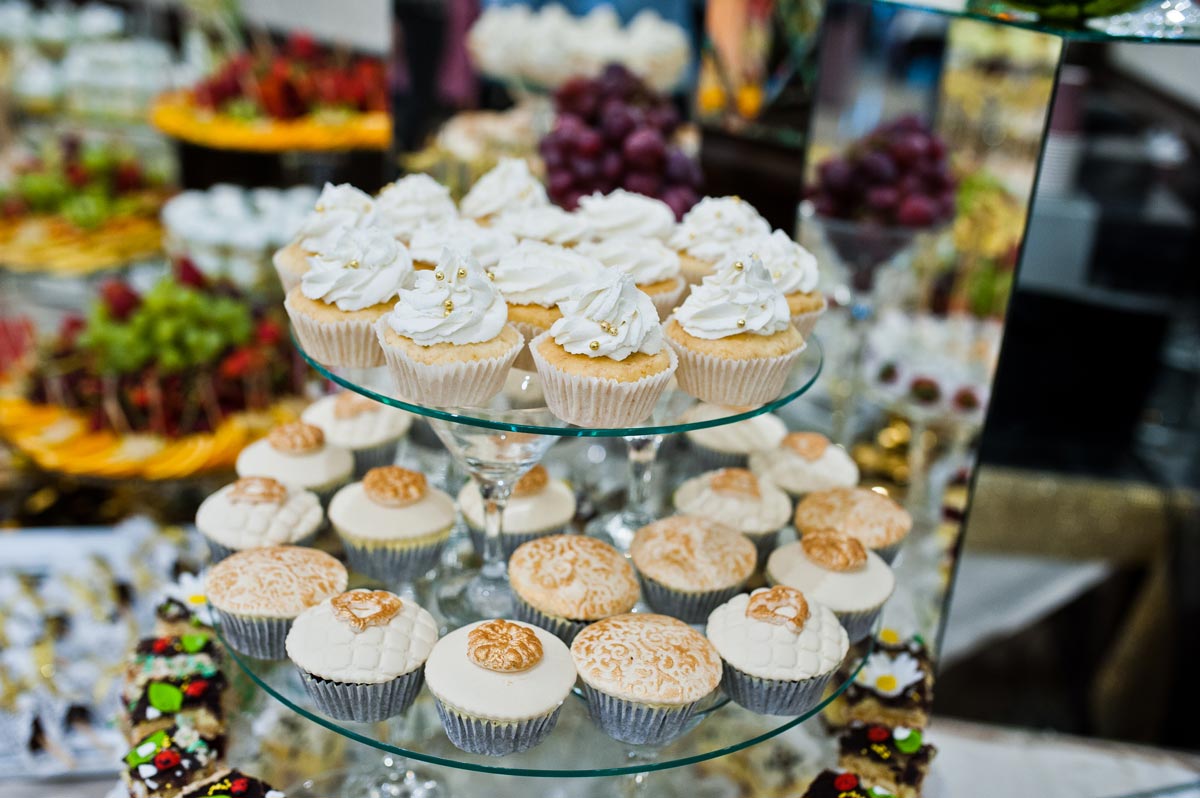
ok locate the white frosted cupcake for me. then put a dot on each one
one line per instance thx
(509, 186)
(840, 573)
(533, 278)
(393, 525)
(549, 224)
(412, 203)
(729, 445)
(804, 462)
(739, 500)
(448, 342)
(350, 286)
(794, 272)
(499, 685)
(257, 511)
(734, 337)
(361, 653)
(779, 648)
(369, 430)
(709, 232)
(876, 520)
(604, 363)
(539, 506)
(624, 213)
(337, 208)
(297, 455)
(653, 266)
(645, 676)
(484, 244)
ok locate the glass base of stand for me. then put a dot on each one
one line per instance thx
(474, 596)
(618, 528)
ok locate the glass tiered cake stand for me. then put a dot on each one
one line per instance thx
(496, 445)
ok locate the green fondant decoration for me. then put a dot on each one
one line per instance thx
(910, 744)
(193, 643)
(151, 745)
(165, 697)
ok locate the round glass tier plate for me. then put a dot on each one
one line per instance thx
(521, 408)
(576, 748)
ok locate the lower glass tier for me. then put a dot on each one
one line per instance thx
(575, 749)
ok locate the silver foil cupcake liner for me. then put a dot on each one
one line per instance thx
(859, 625)
(508, 541)
(391, 564)
(493, 737)
(218, 551)
(773, 696)
(764, 545)
(638, 724)
(704, 459)
(888, 553)
(687, 607)
(260, 638)
(382, 454)
(364, 703)
(562, 628)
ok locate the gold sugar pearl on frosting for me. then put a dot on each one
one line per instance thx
(594, 345)
(258, 490)
(352, 263)
(737, 481)
(296, 438)
(360, 609)
(504, 646)
(741, 322)
(738, 265)
(462, 273)
(351, 405)
(319, 208)
(834, 552)
(781, 605)
(439, 275)
(393, 486)
(534, 481)
(809, 445)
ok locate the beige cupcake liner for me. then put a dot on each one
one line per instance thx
(466, 384)
(807, 322)
(598, 401)
(528, 331)
(725, 381)
(667, 301)
(348, 343)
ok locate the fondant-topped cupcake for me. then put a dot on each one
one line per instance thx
(337, 208)
(547, 223)
(254, 512)
(739, 500)
(780, 649)
(448, 341)
(360, 653)
(297, 455)
(350, 284)
(729, 445)
(484, 244)
(411, 203)
(804, 462)
(689, 565)
(231, 783)
(876, 520)
(604, 362)
(653, 266)
(734, 336)
(644, 675)
(507, 187)
(564, 582)
(539, 505)
(499, 685)
(793, 269)
(708, 232)
(624, 213)
(368, 429)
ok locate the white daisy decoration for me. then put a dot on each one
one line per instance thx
(890, 676)
(189, 591)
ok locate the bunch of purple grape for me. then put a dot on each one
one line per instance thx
(897, 175)
(615, 132)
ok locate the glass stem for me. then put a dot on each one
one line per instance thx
(643, 453)
(845, 391)
(918, 469)
(495, 495)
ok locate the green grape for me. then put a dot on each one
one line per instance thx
(170, 360)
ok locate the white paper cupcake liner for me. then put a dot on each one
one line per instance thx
(289, 277)
(509, 540)
(666, 301)
(394, 563)
(773, 696)
(364, 703)
(466, 384)
(562, 628)
(260, 638)
(528, 331)
(382, 454)
(350, 343)
(218, 551)
(638, 724)
(597, 401)
(687, 607)
(807, 322)
(492, 737)
(725, 381)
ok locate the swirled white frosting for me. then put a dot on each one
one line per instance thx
(337, 207)
(456, 303)
(413, 202)
(774, 651)
(714, 224)
(533, 273)
(365, 267)
(612, 313)
(646, 260)
(549, 223)
(485, 244)
(625, 213)
(735, 300)
(793, 268)
(508, 186)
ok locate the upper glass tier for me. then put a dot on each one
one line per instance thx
(521, 408)
(1165, 21)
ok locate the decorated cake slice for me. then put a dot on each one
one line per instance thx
(168, 657)
(231, 784)
(896, 759)
(842, 784)
(157, 704)
(894, 686)
(164, 763)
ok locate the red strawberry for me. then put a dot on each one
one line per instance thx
(187, 274)
(268, 332)
(303, 46)
(128, 176)
(69, 330)
(166, 760)
(120, 299)
(78, 175)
